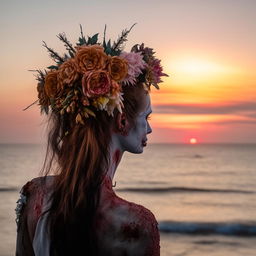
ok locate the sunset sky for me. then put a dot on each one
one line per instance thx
(208, 48)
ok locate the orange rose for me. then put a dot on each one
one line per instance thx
(96, 83)
(117, 68)
(68, 73)
(43, 98)
(90, 57)
(50, 85)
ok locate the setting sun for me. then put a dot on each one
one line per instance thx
(199, 66)
(203, 70)
(193, 141)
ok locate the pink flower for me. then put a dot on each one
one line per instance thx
(136, 64)
(157, 71)
(96, 83)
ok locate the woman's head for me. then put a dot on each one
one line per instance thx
(131, 133)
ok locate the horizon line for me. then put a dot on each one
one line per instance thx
(173, 143)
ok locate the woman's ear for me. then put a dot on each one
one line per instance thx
(121, 123)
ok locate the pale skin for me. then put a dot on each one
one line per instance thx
(130, 139)
(125, 228)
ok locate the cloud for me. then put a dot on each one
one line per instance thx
(235, 121)
(240, 108)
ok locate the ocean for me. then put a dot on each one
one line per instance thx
(203, 196)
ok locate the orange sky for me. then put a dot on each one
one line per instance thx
(206, 47)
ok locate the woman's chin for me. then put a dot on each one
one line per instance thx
(137, 150)
(140, 150)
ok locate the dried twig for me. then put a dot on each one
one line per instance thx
(82, 34)
(54, 55)
(104, 35)
(67, 44)
(122, 38)
(40, 76)
(30, 105)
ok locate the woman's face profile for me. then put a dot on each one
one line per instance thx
(135, 140)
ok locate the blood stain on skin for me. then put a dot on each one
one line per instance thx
(116, 157)
(130, 231)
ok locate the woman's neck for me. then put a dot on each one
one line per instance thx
(116, 153)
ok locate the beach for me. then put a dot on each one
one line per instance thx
(203, 196)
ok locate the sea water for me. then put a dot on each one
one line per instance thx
(203, 196)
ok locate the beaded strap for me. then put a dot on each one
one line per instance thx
(20, 204)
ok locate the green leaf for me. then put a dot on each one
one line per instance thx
(94, 39)
(109, 44)
(53, 67)
(82, 41)
(108, 48)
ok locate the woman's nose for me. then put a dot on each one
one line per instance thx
(149, 129)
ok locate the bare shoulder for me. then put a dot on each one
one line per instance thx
(140, 231)
(28, 211)
(35, 191)
(130, 229)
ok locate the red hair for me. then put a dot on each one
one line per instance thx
(81, 160)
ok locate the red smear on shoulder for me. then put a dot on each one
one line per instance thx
(36, 190)
(140, 220)
(130, 231)
(39, 203)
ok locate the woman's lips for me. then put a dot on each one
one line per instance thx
(144, 143)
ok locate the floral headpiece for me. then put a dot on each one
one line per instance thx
(91, 75)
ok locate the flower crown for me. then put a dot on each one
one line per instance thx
(91, 75)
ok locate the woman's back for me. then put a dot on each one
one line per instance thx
(121, 227)
(98, 103)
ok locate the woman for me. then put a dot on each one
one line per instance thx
(98, 103)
